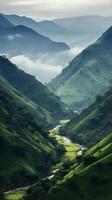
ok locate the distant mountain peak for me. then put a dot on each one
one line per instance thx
(5, 23)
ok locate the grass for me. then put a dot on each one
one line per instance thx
(24, 145)
(71, 148)
(92, 181)
(18, 195)
(93, 124)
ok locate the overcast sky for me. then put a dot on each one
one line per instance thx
(49, 9)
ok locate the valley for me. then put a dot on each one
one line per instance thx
(71, 151)
(55, 130)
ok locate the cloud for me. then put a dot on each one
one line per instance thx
(12, 37)
(41, 70)
(47, 9)
(45, 67)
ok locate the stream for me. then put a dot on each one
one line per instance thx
(67, 141)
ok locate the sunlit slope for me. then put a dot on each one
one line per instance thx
(93, 123)
(87, 179)
(92, 181)
(88, 74)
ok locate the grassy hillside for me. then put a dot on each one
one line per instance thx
(88, 74)
(93, 123)
(50, 105)
(26, 152)
(89, 179)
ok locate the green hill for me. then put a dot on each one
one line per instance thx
(26, 152)
(92, 181)
(88, 74)
(89, 179)
(50, 105)
(93, 123)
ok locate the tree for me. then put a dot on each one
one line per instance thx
(1, 196)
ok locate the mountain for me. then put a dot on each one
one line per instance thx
(90, 177)
(5, 22)
(50, 106)
(17, 40)
(93, 123)
(88, 74)
(86, 29)
(47, 27)
(75, 31)
(25, 148)
(85, 23)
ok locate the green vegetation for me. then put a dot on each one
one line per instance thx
(93, 123)
(70, 148)
(88, 74)
(27, 110)
(17, 195)
(87, 176)
(39, 164)
(84, 181)
(26, 152)
(49, 106)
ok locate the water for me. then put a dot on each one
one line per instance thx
(66, 140)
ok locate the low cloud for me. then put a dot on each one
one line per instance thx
(45, 67)
(12, 37)
(42, 71)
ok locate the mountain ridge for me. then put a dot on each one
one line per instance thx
(17, 40)
(92, 69)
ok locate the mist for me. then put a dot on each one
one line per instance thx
(44, 67)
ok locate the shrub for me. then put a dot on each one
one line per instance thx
(1, 196)
(79, 158)
(89, 159)
(19, 151)
(60, 150)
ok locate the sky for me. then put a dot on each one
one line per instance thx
(50, 9)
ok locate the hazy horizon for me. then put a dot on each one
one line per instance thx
(51, 9)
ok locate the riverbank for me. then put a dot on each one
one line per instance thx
(71, 151)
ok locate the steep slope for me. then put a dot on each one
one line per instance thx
(25, 148)
(50, 105)
(5, 22)
(93, 123)
(88, 75)
(88, 179)
(17, 40)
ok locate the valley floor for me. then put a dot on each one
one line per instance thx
(71, 150)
